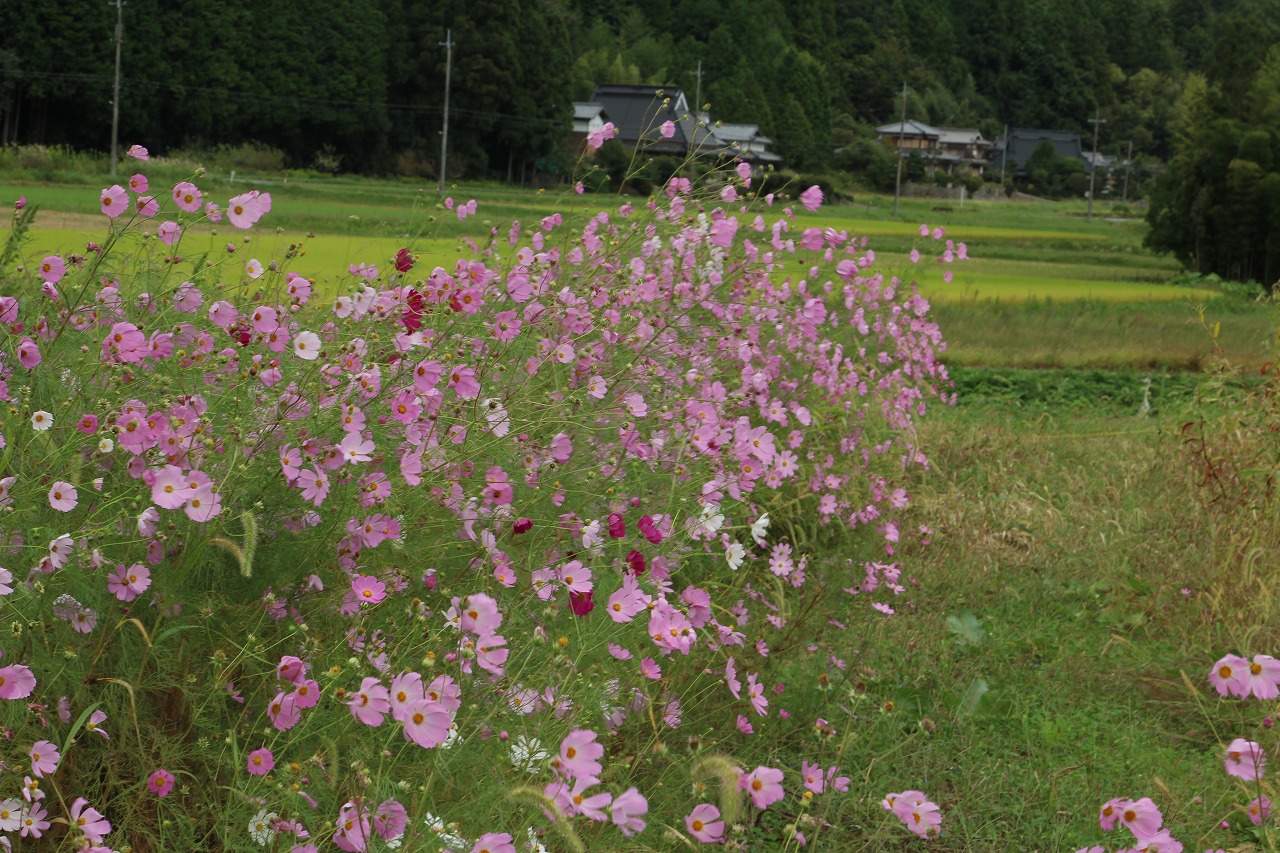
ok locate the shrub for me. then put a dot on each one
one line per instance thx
(463, 554)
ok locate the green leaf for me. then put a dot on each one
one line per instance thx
(967, 628)
(972, 698)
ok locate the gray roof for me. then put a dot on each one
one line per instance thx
(912, 128)
(1022, 143)
(960, 136)
(639, 111)
(586, 110)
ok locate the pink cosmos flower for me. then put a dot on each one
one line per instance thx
(426, 723)
(44, 758)
(1141, 817)
(114, 201)
(649, 530)
(94, 724)
(764, 785)
(89, 820)
(1245, 759)
(371, 702)
(704, 824)
(1230, 675)
(169, 232)
(580, 755)
(1259, 810)
(667, 129)
(137, 152)
(1263, 677)
(284, 711)
(138, 183)
(16, 681)
(146, 206)
(33, 820)
(812, 198)
(261, 762)
(247, 208)
(649, 669)
(160, 783)
(187, 196)
(52, 269)
(29, 353)
(368, 589)
(494, 842)
(812, 776)
(63, 496)
(626, 811)
(598, 137)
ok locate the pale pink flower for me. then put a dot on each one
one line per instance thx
(371, 702)
(146, 206)
(187, 196)
(1259, 810)
(306, 345)
(704, 824)
(368, 589)
(44, 758)
(1245, 759)
(598, 137)
(16, 681)
(63, 496)
(1230, 676)
(1263, 678)
(137, 152)
(52, 269)
(580, 754)
(763, 785)
(89, 820)
(626, 811)
(812, 198)
(114, 200)
(667, 129)
(426, 723)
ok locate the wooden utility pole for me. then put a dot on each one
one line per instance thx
(1093, 170)
(902, 132)
(444, 133)
(115, 92)
(1128, 164)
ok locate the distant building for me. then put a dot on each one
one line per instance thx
(959, 150)
(588, 117)
(639, 112)
(745, 141)
(1016, 149)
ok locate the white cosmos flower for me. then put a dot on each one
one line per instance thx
(41, 421)
(527, 753)
(712, 518)
(260, 827)
(760, 528)
(306, 345)
(735, 554)
(254, 268)
(106, 445)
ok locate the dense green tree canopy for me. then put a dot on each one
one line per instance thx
(359, 84)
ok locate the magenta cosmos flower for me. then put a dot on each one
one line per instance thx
(261, 762)
(368, 589)
(160, 783)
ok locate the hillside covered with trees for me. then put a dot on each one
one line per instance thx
(358, 85)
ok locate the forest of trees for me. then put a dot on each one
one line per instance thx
(358, 85)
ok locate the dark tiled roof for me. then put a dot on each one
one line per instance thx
(1023, 142)
(639, 111)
